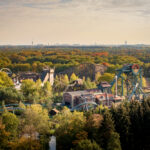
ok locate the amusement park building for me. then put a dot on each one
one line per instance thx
(72, 99)
(46, 75)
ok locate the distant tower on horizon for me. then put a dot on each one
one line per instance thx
(32, 43)
(125, 43)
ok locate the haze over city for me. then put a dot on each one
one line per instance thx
(74, 21)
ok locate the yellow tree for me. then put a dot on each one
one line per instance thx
(35, 119)
(31, 90)
(66, 79)
(144, 83)
(4, 135)
(5, 81)
(73, 77)
(106, 77)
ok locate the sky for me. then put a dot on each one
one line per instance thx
(74, 22)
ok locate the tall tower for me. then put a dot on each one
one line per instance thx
(51, 76)
(48, 75)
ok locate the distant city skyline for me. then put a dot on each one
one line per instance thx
(85, 22)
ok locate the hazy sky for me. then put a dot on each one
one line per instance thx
(74, 21)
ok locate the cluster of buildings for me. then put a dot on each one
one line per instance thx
(101, 95)
(106, 98)
(46, 75)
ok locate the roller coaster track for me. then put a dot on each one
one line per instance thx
(85, 104)
(12, 107)
(7, 70)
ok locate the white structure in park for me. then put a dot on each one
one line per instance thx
(52, 143)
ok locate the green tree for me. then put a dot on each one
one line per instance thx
(10, 95)
(11, 123)
(112, 68)
(47, 95)
(145, 119)
(38, 85)
(97, 76)
(106, 77)
(56, 83)
(15, 58)
(138, 115)
(21, 105)
(26, 144)
(87, 145)
(31, 90)
(47, 90)
(107, 133)
(68, 125)
(92, 124)
(21, 109)
(88, 84)
(35, 119)
(59, 84)
(28, 87)
(4, 61)
(122, 123)
(21, 67)
(4, 136)
(114, 142)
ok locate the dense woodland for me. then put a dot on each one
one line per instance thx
(124, 127)
(120, 128)
(34, 59)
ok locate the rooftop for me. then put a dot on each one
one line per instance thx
(105, 84)
(84, 92)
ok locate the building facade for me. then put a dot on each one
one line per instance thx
(72, 99)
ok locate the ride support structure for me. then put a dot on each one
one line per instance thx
(131, 80)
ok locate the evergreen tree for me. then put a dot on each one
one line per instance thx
(92, 124)
(145, 134)
(73, 77)
(114, 142)
(136, 125)
(87, 145)
(107, 133)
(66, 79)
(107, 126)
(88, 84)
(122, 124)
